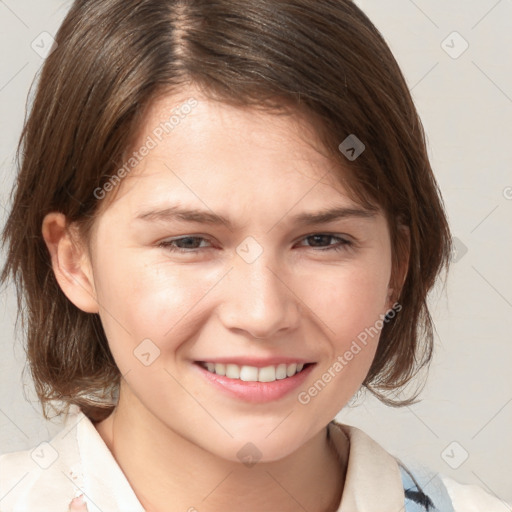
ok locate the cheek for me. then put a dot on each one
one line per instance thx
(350, 306)
(348, 300)
(143, 298)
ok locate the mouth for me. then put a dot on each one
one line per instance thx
(247, 373)
(255, 381)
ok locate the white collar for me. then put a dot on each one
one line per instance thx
(85, 464)
(373, 481)
(104, 482)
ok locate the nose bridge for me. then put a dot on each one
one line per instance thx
(259, 302)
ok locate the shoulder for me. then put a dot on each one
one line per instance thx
(381, 481)
(427, 490)
(424, 490)
(48, 473)
(75, 461)
(472, 498)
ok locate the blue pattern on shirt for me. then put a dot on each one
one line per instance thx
(424, 491)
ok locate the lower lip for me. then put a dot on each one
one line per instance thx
(256, 392)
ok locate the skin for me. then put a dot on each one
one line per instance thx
(174, 435)
(77, 505)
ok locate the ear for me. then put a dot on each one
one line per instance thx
(400, 258)
(70, 262)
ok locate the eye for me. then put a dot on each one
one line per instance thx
(184, 244)
(319, 241)
(322, 241)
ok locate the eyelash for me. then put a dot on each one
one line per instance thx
(343, 244)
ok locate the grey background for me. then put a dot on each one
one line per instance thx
(462, 425)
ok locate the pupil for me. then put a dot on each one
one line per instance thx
(319, 238)
(189, 243)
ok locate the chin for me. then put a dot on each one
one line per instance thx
(250, 453)
(270, 443)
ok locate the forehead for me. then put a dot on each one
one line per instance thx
(198, 125)
(190, 146)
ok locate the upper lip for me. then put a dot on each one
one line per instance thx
(254, 361)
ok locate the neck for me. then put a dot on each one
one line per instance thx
(169, 473)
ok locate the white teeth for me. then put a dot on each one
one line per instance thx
(233, 371)
(281, 372)
(249, 373)
(220, 369)
(267, 374)
(254, 374)
(291, 370)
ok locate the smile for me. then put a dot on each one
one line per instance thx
(252, 373)
(255, 380)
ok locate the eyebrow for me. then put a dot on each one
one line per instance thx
(332, 214)
(208, 217)
(186, 214)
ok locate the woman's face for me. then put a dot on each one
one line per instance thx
(232, 248)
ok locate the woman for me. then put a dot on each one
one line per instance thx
(225, 224)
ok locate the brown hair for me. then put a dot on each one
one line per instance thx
(114, 57)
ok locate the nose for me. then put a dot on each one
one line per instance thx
(258, 300)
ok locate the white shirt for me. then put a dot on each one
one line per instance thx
(77, 460)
